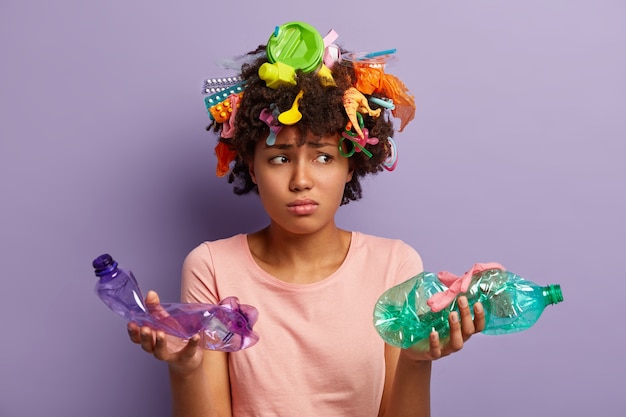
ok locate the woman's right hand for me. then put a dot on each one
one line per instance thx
(186, 359)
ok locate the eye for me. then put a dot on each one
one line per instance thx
(324, 158)
(279, 160)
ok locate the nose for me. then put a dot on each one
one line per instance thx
(301, 178)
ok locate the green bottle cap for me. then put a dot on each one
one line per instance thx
(553, 294)
(296, 44)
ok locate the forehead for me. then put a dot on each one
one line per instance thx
(293, 136)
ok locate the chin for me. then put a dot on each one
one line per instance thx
(303, 227)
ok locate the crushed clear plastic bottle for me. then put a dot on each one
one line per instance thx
(403, 318)
(226, 326)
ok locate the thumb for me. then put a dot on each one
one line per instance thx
(154, 305)
(152, 298)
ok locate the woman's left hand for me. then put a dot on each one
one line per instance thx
(461, 329)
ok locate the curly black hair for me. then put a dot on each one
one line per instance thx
(322, 114)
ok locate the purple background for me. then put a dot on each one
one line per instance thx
(516, 156)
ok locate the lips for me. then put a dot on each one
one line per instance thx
(302, 207)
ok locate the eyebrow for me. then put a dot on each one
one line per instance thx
(315, 145)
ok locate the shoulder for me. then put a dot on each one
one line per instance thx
(205, 251)
(377, 249)
(202, 264)
(383, 244)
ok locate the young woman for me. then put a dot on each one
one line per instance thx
(302, 141)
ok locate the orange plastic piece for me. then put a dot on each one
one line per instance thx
(371, 79)
(221, 111)
(225, 156)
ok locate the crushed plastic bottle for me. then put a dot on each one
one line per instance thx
(226, 326)
(406, 314)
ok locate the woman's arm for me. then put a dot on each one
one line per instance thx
(199, 378)
(203, 392)
(407, 383)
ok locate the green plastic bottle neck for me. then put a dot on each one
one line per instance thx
(552, 294)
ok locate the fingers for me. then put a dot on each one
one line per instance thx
(147, 339)
(144, 336)
(154, 340)
(156, 343)
(479, 317)
(190, 348)
(456, 334)
(463, 325)
(467, 323)
(159, 348)
(180, 351)
(435, 346)
(133, 332)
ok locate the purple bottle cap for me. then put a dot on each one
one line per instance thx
(103, 264)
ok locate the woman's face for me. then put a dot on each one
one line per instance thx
(300, 186)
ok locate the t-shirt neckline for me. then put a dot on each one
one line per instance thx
(266, 276)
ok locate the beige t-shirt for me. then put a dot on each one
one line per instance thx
(318, 353)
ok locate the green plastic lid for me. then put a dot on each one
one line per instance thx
(553, 294)
(296, 44)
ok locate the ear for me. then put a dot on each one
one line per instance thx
(251, 171)
(349, 176)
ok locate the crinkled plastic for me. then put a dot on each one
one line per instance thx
(404, 317)
(225, 155)
(226, 326)
(372, 79)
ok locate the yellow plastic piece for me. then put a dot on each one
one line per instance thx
(293, 115)
(326, 76)
(277, 74)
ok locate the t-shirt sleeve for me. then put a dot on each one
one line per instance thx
(409, 263)
(198, 284)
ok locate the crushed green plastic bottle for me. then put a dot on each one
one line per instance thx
(511, 304)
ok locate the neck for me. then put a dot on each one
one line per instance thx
(300, 258)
